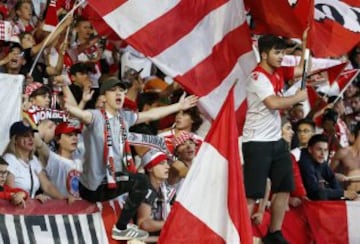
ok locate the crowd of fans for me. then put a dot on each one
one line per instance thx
(101, 99)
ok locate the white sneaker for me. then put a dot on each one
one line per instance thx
(130, 233)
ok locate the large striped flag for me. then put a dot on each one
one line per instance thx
(204, 45)
(211, 206)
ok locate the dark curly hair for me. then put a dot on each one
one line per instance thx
(195, 116)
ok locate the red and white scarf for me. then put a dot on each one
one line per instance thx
(109, 153)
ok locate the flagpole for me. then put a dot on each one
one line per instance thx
(304, 74)
(345, 87)
(52, 33)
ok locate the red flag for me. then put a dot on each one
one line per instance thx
(204, 45)
(51, 19)
(215, 178)
(346, 78)
(281, 17)
(335, 222)
(335, 28)
(315, 101)
(329, 74)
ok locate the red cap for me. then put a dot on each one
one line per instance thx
(66, 128)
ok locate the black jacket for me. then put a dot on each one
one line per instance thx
(319, 180)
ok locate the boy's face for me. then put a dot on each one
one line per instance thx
(274, 57)
(304, 133)
(3, 174)
(183, 121)
(41, 100)
(68, 142)
(319, 152)
(81, 79)
(114, 98)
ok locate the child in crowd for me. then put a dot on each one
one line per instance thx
(16, 196)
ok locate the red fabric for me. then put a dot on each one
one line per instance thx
(332, 73)
(182, 226)
(189, 228)
(328, 221)
(315, 101)
(290, 23)
(8, 191)
(51, 19)
(346, 78)
(131, 105)
(295, 226)
(329, 36)
(299, 190)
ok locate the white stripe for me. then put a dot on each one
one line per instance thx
(129, 17)
(199, 43)
(214, 176)
(213, 101)
(353, 221)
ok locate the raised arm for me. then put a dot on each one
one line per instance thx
(84, 116)
(42, 149)
(160, 112)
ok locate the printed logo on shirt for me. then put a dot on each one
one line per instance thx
(255, 76)
(72, 182)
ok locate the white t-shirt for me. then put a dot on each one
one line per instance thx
(261, 124)
(64, 173)
(21, 172)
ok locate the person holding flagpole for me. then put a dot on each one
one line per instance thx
(265, 154)
(108, 169)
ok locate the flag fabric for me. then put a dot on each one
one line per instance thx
(344, 79)
(277, 17)
(329, 74)
(10, 104)
(51, 19)
(335, 26)
(315, 101)
(211, 205)
(204, 45)
(337, 31)
(335, 222)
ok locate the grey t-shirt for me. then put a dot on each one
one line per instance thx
(94, 168)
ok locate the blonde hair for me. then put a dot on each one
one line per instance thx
(11, 148)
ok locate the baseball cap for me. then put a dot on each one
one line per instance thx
(110, 83)
(66, 128)
(20, 128)
(152, 158)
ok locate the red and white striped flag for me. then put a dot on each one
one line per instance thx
(204, 45)
(211, 206)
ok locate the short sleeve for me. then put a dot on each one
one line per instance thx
(260, 85)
